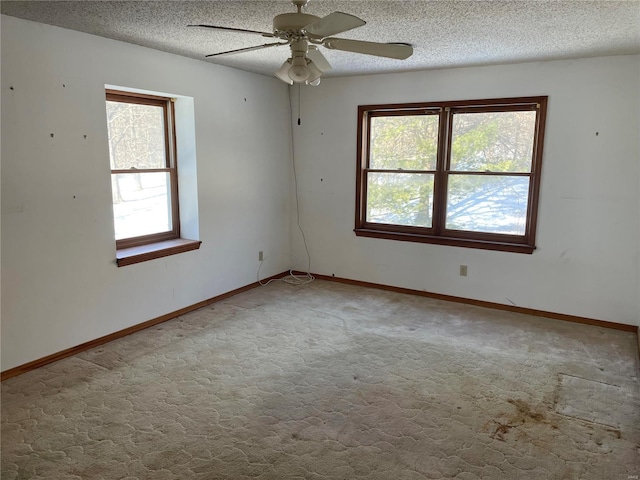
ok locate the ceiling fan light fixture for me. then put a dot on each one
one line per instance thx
(299, 71)
(283, 72)
(314, 73)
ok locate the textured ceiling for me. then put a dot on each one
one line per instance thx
(444, 33)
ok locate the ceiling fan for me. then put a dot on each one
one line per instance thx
(303, 33)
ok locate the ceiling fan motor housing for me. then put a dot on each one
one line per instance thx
(288, 25)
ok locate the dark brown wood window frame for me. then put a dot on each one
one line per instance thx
(148, 247)
(438, 233)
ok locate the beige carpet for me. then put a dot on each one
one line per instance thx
(328, 381)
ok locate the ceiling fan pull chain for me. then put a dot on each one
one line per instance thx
(298, 104)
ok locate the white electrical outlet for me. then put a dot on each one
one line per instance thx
(463, 270)
(260, 256)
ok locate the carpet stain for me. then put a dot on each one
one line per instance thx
(524, 414)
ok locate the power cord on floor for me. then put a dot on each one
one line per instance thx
(293, 278)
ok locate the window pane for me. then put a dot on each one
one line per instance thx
(404, 142)
(487, 203)
(136, 136)
(400, 198)
(141, 204)
(493, 141)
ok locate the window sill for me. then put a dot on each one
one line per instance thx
(144, 253)
(451, 241)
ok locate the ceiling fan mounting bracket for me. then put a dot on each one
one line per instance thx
(300, 4)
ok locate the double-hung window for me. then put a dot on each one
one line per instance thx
(142, 152)
(456, 173)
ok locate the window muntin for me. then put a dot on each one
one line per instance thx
(458, 173)
(143, 168)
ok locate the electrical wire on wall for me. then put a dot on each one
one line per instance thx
(294, 278)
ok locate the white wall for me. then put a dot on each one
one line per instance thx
(588, 240)
(60, 285)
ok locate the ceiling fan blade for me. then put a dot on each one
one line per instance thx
(247, 49)
(237, 30)
(332, 24)
(399, 51)
(318, 58)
